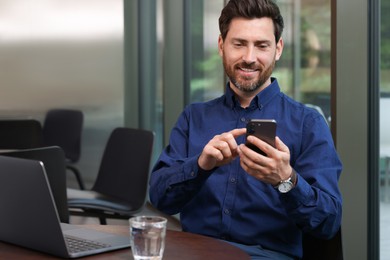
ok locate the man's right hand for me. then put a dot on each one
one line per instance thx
(220, 150)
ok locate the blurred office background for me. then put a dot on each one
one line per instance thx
(137, 63)
(64, 54)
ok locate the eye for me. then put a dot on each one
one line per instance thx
(238, 43)
(262, 46)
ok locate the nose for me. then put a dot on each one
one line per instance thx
(249, 55)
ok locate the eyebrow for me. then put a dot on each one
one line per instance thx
(256, 42)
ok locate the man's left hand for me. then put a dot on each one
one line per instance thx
(272, 168)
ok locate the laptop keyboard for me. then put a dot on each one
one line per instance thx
(76, 245)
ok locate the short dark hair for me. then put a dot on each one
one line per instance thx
(251, 9)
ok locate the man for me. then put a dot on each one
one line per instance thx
(222, 188)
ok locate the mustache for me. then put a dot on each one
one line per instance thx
(251, 66)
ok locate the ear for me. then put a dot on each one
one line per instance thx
(279, 49)
(220, 45)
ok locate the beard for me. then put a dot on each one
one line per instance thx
(247, 84)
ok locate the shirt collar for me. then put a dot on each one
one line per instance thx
(260, 100)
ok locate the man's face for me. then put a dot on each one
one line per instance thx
(249, 53)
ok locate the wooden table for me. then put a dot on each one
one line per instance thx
(179, 245)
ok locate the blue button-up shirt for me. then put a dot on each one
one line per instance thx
(228, 203)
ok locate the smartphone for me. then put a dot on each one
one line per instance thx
(264, 129)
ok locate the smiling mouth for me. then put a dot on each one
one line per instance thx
(248, 70)
(247, 73)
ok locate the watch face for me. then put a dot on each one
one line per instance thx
(285, 186)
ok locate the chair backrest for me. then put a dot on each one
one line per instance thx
(20, 133)
(63, 128)
(124, 168)
(320, 249)
(54, 161)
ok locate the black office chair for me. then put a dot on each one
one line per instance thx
(121, 186)
(53, 159)
(321, 249)
(63, 128)
(20, 134)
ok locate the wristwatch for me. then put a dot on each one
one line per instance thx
(287, 185)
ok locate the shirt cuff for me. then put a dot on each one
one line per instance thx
(301, 194)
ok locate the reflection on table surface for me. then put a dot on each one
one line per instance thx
(179, 245)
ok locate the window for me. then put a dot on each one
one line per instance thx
(384, 136)
(207, 75)
(304, 68)
(64, 54)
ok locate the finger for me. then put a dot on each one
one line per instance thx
(281, 146)
(260, 172)
(238, 132)
(251, 168)
(225, 148)
(263, 146)
(248, 152)
(213, 151)
(230, 139)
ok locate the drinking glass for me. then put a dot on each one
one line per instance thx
(147, 237)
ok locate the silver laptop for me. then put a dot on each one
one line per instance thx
(28, 215)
